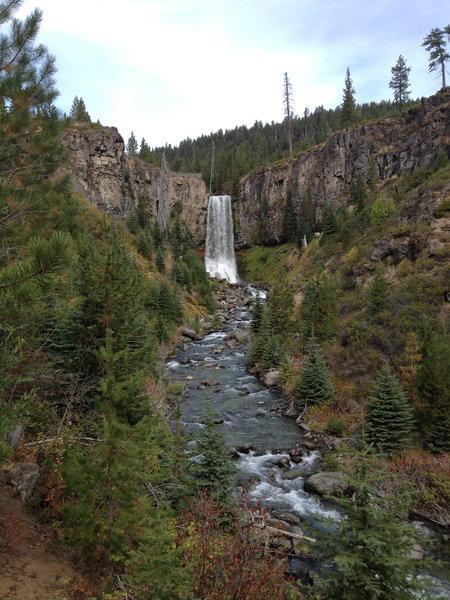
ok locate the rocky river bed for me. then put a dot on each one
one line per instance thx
(277, 463)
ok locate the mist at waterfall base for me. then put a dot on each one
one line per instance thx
(220, 261)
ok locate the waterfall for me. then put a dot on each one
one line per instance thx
(220, 261)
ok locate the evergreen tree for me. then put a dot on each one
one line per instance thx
(434, 392)
(400, 82)
(435, 43)
(348, 108)
(329, 221)
(30, 153)
(265, 350)
(160, 263)
(257, 312)
(378, 292)
(389, 416)
(369, 551)
(144, 151)
(132, 145)
(358, 193)
(319, 307)
(289, 219)
(288, 109)
(313, 383)
(213, 470)
(303, 233)
(78, 112)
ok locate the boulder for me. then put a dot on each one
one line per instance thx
(210, 383)
(327, 483)
(22, 476)
(288, 518)
(271, 378)
(284, 463)
(292, 474)
(190, 333)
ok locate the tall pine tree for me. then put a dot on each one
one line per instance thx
(389, 419)
(313, 384)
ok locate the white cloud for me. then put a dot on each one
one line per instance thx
(186, 67)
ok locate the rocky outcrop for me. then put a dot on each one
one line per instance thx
(102, 173)
(395, 146)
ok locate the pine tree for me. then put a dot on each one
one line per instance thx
(411, 360)
(319, 307)
(78, 112)
(132, 145)
(358, 193)
(213, 470)
(369, 551)
(389, 416)
(435, 43)
(288, 109)
(400, 82)
(329, 221)
(289, 219)
(348, 108)
(144, 151)
(313, 383)
(265, 350)
(257, 312)
(378, 292)
(434, 392)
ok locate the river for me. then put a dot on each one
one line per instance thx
(214, 372)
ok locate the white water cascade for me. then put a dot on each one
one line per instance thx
(220, 260)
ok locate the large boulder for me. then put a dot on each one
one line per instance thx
(23, 476)
(271, 378)
(327, 483)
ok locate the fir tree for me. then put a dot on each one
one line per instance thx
(329, 221)
(378, 292)
(289, 219)
(213, 470)
(400, 82)
(435, 43)
(358, 193)
(369, 551)
(319, 307)
(288, 109)
(434, 392)
(160, 264)
(348, 108)
(132, 145)
(78, 112)
(265, 350)
(389, 416)
(313, 383)
(257, 312)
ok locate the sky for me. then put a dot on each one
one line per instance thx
(172, 69)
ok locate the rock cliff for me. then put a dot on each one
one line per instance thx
(395, 146)
(102, 173)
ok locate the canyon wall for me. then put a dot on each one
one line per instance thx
(396, 146)
(102, 173)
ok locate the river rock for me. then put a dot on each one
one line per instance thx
(189, 378)
(185, 360)
(185, 347)
(23, 476)
(288, 518)
(416, 553)
(279, 524)
(190, 333)
(245, 449)
(217, 350)
(211, 383)
(292, 474)
(282, 543)
(271, 378)
(284, 463)
(239, 335)
(230, 344)
(327, 483)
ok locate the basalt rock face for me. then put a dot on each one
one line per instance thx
(395, 146)
(102, 173)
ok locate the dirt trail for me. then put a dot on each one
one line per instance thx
(32, 566)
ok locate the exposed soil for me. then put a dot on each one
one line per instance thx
(33, 565)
